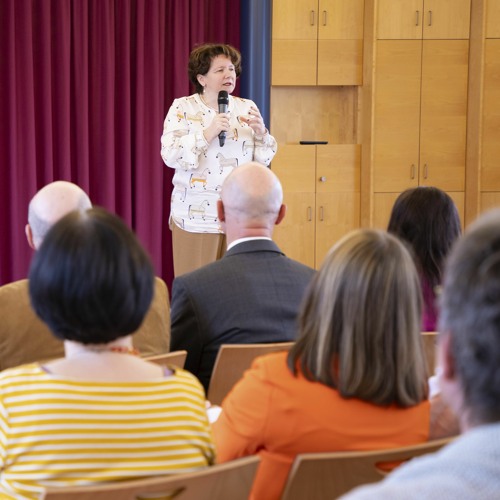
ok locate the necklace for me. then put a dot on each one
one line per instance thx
(206, 103)
(117, 349)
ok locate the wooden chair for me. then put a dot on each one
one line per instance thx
(430, 346)
(229, 480)
(232, 360)
(318, 476)
(176, 358)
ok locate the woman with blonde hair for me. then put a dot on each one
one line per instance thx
(354, 380)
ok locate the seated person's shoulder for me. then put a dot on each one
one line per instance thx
(14, 288)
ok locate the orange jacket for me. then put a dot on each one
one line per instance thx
(277, 415)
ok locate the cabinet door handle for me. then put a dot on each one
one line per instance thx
(321, 214)
(412, 171)
(425, 171)
(324, 17)
(311, 17)
(309, 214)
(322, 179)
(417, 18)
(430, 18)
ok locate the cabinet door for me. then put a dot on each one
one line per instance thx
(340, 42)
(446, 19)
(396, 126)
(295, 167)
(337, 194)
(399, 19)
(336, 215)
(340, 19)
(490, 171)
(382, 208)
(493, 19)
(444, 114)
(295, 42)
(294, 62)
(340, 62)
(297, 20)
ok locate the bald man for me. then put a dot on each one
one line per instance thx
(251, 295)
(49, 205)
(23, 337)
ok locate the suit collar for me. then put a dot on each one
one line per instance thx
(254, 246)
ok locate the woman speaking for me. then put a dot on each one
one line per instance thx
(205, 136)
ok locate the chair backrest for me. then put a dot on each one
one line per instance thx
(176, 358)
(229, 480)
(317, 476)
(153, 336)
(430, 344)
(232, 360)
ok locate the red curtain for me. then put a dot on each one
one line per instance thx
(84, 88)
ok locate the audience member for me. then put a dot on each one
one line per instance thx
(23, 337)
(354, 380)
(427, 219)
(253, 293)
(469, 374)
(101, 413)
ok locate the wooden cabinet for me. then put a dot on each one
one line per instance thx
(316, 70)
(419, 117)
(490, 170)
(321, 183)
(317, 42)
(420, 95)
(423, 19)
(295, 166)
(490, 145)
(429, 66)
(321, 191)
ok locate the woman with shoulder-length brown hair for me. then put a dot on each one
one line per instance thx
(354, 380)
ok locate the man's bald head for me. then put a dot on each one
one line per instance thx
(50, 204)
(252, 199)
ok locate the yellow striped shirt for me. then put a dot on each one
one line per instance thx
(59, 431)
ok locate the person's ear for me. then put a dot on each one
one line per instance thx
(201, 80)
(446, 360)
(29, 236)
(281, 214)
(220, 211)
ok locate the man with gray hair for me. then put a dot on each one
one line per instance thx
(469, 377)
(251, 295)
(24, 338)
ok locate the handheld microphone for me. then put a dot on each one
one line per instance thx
(223, 102)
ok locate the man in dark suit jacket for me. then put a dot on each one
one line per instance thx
(251, 295)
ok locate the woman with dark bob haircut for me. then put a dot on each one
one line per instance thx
(191, 144)
(427, 219)
(101, 413)
(355, 378)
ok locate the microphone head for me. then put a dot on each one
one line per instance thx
(223, 97)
